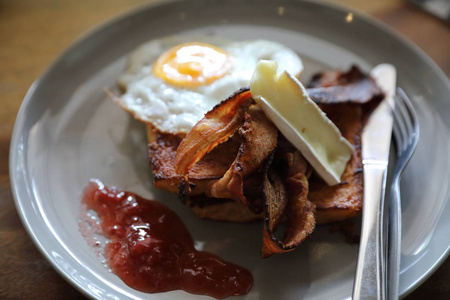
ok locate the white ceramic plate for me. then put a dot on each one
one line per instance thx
(68, 131)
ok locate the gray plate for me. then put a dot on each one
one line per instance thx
(68, 131)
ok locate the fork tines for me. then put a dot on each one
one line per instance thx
(405, 121)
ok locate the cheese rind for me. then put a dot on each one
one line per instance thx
(285, 101)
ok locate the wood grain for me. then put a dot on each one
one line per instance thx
(34, 33)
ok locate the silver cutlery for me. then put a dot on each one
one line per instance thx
(370, 276)
(406, 135)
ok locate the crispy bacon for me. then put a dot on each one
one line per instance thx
(288, 199)
(260, 139)
(359, 92)
(352, 87)
(336, 78)
(216, 127)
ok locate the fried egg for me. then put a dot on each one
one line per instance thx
(172, 82)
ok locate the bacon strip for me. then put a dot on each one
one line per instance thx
(216, 127)
(260, 139)
(291, 201)
(352, 87)
(359, 92)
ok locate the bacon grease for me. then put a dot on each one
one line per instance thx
(151, 250)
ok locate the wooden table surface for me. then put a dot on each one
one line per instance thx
(33, 33)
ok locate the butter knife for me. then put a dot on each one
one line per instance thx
(370, 277)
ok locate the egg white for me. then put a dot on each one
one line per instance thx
(175, 109)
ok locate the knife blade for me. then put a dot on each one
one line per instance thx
(370, 277)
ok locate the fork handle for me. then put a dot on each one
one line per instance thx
(370, 281)
(394, 241)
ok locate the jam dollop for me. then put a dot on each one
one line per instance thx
(151, 250)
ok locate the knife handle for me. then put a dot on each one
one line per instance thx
(370, 278)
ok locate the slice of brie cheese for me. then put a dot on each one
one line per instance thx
(285, 101)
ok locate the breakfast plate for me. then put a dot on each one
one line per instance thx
(68, 131)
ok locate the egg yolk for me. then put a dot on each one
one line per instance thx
(192, 64)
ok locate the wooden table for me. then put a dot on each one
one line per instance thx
(33, 33)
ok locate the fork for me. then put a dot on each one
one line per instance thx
(406, 135)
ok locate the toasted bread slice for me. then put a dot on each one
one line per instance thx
(226, 210)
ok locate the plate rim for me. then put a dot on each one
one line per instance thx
(19, 124)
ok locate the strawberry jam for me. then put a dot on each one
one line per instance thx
(151, 250)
